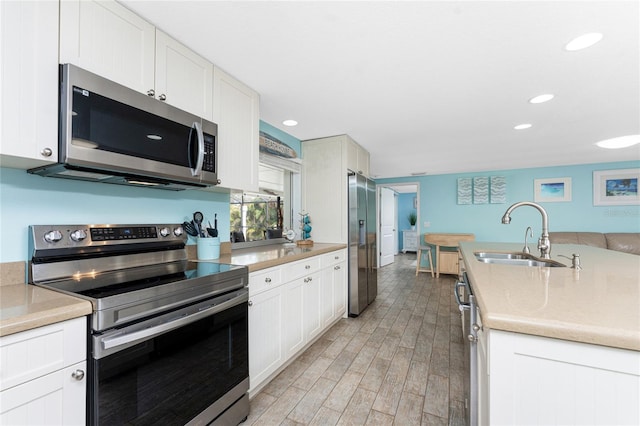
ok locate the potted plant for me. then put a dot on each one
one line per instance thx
(413, 218)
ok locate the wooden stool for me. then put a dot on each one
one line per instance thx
(424, 250)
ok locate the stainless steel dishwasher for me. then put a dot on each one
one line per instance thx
(469, 314)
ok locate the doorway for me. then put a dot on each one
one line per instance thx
(389, 221)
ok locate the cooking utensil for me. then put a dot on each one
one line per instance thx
(211, 231)
(198, 217)
(190, 229)
(215, 224)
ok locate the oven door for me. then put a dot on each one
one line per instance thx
(185, 366)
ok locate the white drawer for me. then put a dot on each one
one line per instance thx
(264, 280)
(301, 268)
(333, 258)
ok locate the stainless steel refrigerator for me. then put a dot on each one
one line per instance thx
(363, 281)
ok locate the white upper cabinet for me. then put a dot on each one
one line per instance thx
(357, 158)
(28, 83)
(107, 39)
(236, 111)
(324, 183)
(183, 78)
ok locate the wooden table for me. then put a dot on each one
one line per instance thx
(447, 262)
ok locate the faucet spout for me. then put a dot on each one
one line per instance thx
(544, 245)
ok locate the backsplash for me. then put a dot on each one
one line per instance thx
(33, 200)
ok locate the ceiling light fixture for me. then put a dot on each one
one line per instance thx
(290, 123)
(541, 98)
(584, 41)
(619, 142)
(522, 126)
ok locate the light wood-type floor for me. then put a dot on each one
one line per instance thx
(399, 363)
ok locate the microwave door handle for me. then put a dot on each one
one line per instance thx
(198, 169)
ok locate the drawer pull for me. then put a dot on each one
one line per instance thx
(307, 266)
(336, 267)
(336, 257)
(250, 303)
(267, 280)
(78, 374)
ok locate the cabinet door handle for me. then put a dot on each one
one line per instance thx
(162, 97)
(46, 152)
(250, 303)
(336, 267)
(267, 280)
(78, 374)
(151, 92)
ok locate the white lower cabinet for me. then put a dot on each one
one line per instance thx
(265, 334)
(540, 381)
(43, 375)
(289, 307)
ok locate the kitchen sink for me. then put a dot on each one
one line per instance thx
(515, 258)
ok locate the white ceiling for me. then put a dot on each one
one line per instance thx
(430, 86)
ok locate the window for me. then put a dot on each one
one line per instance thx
(254, 214)
(266, 214)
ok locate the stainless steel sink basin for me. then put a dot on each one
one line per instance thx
(515, 258)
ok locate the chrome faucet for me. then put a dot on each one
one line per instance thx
(544, 245)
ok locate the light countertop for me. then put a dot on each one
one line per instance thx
(262, 257)
(599, 304)
(23, 307)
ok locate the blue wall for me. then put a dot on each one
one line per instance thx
(405, 206)
(34, 200)
(438, 205)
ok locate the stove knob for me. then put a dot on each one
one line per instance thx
(178, 231)
(164, 232)
(53, 236)
(78, 235)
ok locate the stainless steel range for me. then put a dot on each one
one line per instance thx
(168, 338)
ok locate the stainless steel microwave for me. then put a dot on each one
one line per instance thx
(112, 134)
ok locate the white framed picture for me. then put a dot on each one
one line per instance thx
(616, 187)
(552, 190)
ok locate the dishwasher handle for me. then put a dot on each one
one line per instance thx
(456, 291)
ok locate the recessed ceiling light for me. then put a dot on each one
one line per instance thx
(290, 123)
(522, 126)
(541, 98)
(584, 41)
(620, 142)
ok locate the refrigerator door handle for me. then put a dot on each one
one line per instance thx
(362, 232)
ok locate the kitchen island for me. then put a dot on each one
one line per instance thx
(557, 345)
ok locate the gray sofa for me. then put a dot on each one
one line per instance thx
(628, 242)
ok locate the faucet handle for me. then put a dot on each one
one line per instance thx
(528, 232)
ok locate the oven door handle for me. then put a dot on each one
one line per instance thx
(137, 336)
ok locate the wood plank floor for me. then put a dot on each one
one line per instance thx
(399, 363)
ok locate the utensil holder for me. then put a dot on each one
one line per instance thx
(208, 248)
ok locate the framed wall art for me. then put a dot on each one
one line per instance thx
(552, 190)
(616, 187)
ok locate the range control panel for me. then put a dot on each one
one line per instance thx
(123, 233)
(47, 237)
